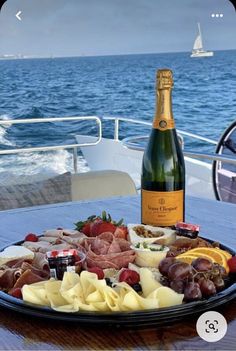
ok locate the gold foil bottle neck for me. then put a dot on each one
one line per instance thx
(164, 79)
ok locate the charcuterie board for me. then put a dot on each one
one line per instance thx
(124, 316)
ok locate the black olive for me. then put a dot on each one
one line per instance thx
(109, 282)
(137, 287)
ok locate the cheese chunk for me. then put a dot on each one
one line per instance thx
(15, 252)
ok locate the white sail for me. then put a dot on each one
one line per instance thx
(198, 43)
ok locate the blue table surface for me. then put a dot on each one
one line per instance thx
(216, 219)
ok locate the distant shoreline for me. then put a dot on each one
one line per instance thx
(25, 57)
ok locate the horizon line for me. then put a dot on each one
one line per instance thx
(22, 56)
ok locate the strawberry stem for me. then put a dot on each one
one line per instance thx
(104, 216)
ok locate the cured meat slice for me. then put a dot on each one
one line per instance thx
(50, 239)
(108, 236)
(17, 263)
(28, 277)
(116, 261)
(98, 246)
(100, 263)
(62, 246)
(72, 232)
(53, 232)
(11, 272)
(8, 278)
(44, 273)
(40, 261)
(106, 253)
(114, 247)
(37, 246)
(73, 239)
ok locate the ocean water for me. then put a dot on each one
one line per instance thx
(204, 101)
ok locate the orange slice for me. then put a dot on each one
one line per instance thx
(193, 255)
(225, 253)
(215, 254)
(186, 258)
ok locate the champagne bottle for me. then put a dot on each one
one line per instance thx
(163, 169)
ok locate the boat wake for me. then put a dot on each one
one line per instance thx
(3, 132)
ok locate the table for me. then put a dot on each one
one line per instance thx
(19, 332)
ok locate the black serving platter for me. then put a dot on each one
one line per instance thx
(155, 317)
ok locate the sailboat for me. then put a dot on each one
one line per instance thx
(198, 50)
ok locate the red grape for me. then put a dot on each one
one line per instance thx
(192, 292)
(202, 264)
(219, 283)
(179, 271)
(207, 287)
(165, 264)
(178, 286)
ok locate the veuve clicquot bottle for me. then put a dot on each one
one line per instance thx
(163, 170)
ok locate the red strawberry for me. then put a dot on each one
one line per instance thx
(102, 227)
(129, 276)
(31, 237)
(16, 292)
(85, 226)
(232, 264)
(86, 229)
(95, 225)
(98, 271)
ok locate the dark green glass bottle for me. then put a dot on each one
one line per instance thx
(163, 169)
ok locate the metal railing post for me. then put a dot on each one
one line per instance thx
(116, 132)
(75, 159)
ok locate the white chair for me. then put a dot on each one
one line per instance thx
(100, 184)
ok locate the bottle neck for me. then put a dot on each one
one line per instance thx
(163, 118)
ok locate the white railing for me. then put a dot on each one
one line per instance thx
(117, 121)
(56, 147)
(132, 143)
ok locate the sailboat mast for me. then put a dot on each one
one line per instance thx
(199, 31)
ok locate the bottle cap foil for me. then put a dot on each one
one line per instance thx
(164, 79)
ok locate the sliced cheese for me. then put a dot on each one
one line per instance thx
(168, 237)
(15, 252)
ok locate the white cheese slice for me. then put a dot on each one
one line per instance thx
(168, 237)
(15, 252)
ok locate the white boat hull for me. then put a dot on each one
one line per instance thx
(110, 154)
(202, 54)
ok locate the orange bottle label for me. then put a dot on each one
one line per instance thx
(164, 208)
(163, 124)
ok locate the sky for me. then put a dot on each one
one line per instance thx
(111, 27)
